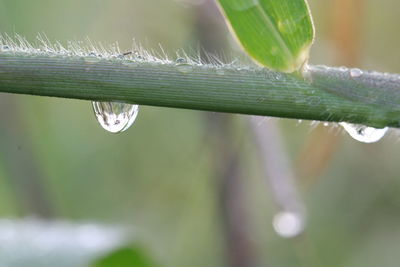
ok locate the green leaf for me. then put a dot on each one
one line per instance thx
(275, 33)
(126, 257)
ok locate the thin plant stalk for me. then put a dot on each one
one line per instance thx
(326, 94)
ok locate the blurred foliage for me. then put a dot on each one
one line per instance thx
(158, 177)
(125, 257)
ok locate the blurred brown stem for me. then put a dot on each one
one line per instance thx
(209, 27)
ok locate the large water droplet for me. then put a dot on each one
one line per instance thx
(288, 224)
(356, 73)
(364, 133)
(115, 117)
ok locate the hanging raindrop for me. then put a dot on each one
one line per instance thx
(364, 133)
(115, 117)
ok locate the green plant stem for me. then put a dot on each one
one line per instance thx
(328, 94)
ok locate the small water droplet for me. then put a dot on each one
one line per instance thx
(115, 117)
(183, 66)
(355, 73)
(288, 224)
(5, 48)
(137, 56)
(364, 133)
(326, 124)
(180, 61)
(91, 58)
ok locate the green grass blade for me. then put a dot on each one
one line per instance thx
(329, 94)
(275, 33)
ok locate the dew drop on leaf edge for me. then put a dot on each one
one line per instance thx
(364, 134)
(115, 117)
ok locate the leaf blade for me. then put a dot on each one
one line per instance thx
(276, 34)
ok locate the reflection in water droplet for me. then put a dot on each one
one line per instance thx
(355, 73)
(115, 117)
(242, 5)
(364, 133)
(288, 224)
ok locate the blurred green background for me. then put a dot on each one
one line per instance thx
(162, 177)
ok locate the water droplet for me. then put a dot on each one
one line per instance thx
(355, 73)
(5, 48)
(183, 66)
(364, 133)
(242, 5)
(326, 124)
(288, 224)
(115, 117)
(92, 58)
(180, 61)
(137, 56)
